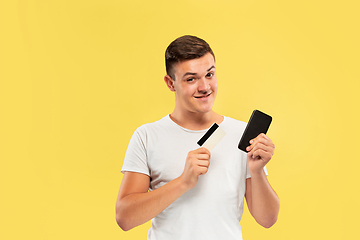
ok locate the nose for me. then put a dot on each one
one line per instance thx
(203, 85)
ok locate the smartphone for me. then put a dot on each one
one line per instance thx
(259, 123)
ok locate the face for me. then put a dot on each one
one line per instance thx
(195, 84)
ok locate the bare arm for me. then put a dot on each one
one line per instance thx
(135, 205)
(262, 201)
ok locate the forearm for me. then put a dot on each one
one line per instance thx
(264, 201)
(137, 208)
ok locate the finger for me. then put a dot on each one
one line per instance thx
(256, 154)
(254, 141)
(203, 163)
(202, 170)
(264, 143)
(202, 150)
(261, 138)
(252, 144)
(202, 156)
(261, 154)
(257, 137)
(266, 148)
(265, 136)
(263, 147)
(267, 141)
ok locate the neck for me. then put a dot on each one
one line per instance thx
(196, 121)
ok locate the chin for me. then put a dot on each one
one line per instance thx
(204, 110)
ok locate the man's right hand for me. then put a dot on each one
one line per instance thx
(135, 205)
(197, 163)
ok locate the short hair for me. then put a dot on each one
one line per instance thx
(185, 48)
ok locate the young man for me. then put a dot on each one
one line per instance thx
(194, 194)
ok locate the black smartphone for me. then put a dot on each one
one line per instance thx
(259, 123)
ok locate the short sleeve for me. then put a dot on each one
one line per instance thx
(136, 156)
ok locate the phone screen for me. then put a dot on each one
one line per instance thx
(259, 123)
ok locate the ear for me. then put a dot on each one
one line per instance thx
(169, 82)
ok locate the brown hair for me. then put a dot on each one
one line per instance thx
(185, 48)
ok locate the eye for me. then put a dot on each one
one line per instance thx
(190, 79)
(209, 75)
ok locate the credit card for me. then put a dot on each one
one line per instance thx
(212, 137)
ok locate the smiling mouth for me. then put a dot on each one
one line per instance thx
(203, 96)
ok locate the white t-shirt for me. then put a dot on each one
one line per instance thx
(213, 208)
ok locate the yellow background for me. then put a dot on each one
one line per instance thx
(78, 77)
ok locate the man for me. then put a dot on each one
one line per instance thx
(194, 194)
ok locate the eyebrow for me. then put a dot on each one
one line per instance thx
(192, 74)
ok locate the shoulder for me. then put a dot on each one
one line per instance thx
(231, 120)
(147, 132)
(154, 127)
(233, 124)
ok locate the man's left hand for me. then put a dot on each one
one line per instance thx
(259, 152)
